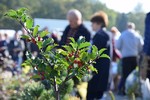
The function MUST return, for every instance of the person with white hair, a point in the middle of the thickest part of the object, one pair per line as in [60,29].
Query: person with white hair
[130,44]
[75,29]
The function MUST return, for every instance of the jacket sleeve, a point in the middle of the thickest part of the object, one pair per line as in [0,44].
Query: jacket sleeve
[147,35]
[85,33]
[100,42]
[63,37]
[88,36]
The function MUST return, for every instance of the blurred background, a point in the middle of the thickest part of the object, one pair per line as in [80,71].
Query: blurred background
[51,16]
[52,13]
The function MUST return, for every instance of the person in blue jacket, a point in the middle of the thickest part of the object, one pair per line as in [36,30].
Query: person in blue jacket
[102,39]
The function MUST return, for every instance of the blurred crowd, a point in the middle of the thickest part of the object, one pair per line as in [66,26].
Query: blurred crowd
[124,48]
[13,50]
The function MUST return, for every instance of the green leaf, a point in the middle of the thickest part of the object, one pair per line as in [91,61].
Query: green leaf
[49,48]
[66,64]
[104,56]
[72,40]
[39,43]
[102,51]
[47,42]
[48,69]
[94,53]
[74,45]
[11,13]
[29,23]
[94,49]
[35,31]
[81,39]
[84,45]
[84,50]
[92,56]
[79,77]
[25,36]
[21,11]
[23,18]
[62,52]
[26,63]
[68,48]
[58,81]
[83,55]
[44,33]
[93,69]
[36,77]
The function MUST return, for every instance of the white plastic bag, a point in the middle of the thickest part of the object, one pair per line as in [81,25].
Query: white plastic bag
[145,89]
[132,84]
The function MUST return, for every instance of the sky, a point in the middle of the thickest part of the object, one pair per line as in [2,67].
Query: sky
[125,6]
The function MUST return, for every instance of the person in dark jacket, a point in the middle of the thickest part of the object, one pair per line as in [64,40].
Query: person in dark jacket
[75,28]
[3,46]
[146,48]
[102,39]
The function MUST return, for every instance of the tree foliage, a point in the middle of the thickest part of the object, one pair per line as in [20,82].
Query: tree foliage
[122,22]
[53,9]
[57,9]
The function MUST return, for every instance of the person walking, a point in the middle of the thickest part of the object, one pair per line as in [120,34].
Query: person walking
[130,44]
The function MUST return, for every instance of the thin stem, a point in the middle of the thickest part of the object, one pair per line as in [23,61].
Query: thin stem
[46,60]
[29,33]
[56,90]
[68,77]
[24,27]
[55,84]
